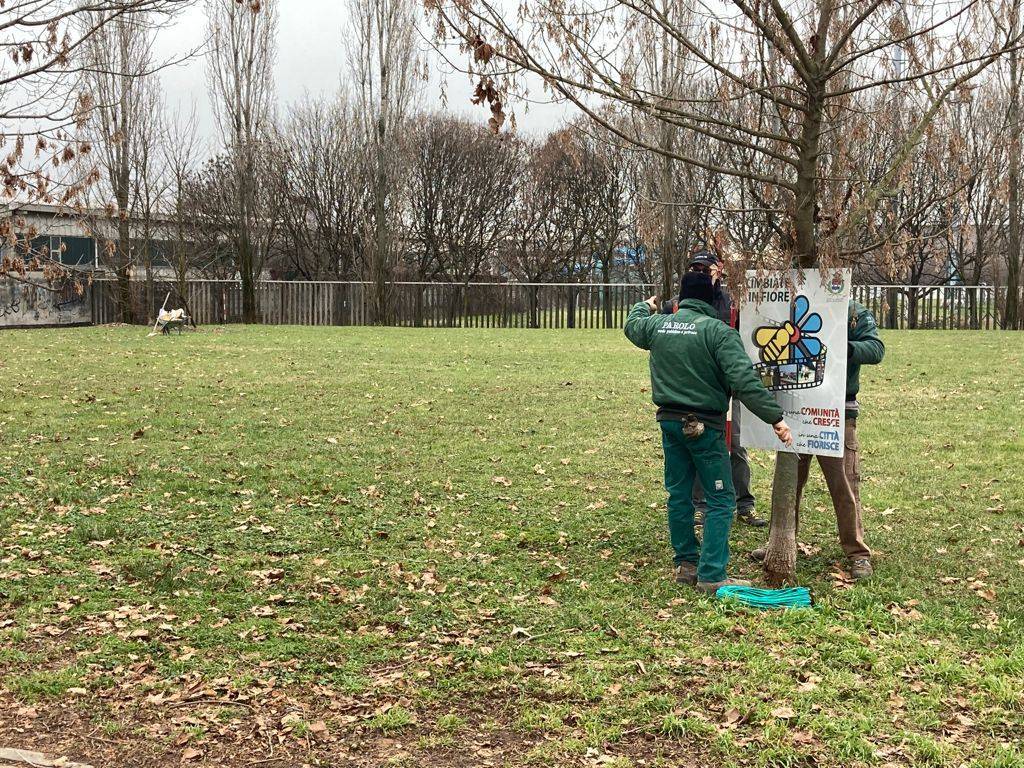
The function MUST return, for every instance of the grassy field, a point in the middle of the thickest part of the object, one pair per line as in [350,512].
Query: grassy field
[289,546]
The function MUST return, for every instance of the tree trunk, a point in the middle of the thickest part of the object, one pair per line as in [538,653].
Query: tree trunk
[245,167]
[1011,314]
[668,213]
[124,294]
[892,308]
[380,268]
[780,560]
[250,312]
[150,287]
[606,276]
[126,308]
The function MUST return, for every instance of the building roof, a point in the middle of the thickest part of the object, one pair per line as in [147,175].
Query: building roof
[14,208]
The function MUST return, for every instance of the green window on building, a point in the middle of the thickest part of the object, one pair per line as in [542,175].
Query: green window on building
[76,251]
[70,251]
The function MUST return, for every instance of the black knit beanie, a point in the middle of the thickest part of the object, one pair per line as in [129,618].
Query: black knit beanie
[696,285]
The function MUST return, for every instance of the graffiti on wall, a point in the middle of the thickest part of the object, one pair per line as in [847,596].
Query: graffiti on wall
[31,301]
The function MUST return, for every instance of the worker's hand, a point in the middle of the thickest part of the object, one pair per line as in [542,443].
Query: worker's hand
[652,303]
[783,432]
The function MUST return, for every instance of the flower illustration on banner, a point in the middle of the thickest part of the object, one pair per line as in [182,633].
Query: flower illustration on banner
[791,356]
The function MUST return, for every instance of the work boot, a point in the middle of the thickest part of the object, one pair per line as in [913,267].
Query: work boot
[710,587]
[759,554]
[749,516]
[860,568]
[698,516]
[685,573]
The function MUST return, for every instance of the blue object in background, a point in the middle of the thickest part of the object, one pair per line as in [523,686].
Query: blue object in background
[794,597]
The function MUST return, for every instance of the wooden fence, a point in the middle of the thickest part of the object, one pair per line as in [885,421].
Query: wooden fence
[950,307]
[506,305]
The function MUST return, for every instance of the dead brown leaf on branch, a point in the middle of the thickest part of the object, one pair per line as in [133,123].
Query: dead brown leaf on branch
[486,92]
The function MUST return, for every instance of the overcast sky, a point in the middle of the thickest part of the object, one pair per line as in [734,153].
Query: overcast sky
[311,60]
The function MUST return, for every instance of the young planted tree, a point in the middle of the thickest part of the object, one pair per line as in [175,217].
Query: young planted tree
[243,38]
[794,67]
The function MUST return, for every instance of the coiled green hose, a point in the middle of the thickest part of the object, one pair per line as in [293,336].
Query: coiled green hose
[794,597]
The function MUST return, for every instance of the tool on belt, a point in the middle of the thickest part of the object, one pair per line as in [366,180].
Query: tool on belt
[692,426]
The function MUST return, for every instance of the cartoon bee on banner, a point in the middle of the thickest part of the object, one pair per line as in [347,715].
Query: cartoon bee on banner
[791,357]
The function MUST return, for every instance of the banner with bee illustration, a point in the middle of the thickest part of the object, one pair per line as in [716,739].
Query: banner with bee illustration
[794,326]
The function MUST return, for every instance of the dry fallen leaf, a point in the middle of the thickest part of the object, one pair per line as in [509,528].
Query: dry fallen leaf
[783,713]
[802,737]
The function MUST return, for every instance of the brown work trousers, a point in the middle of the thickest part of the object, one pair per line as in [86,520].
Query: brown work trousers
[842,475]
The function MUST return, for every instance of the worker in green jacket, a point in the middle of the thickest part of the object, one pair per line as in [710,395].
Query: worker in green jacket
[697,363]
[842,475]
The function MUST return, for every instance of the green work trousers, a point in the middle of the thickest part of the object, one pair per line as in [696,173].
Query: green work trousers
[705,457]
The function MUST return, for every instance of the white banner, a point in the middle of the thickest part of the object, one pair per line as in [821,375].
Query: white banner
[797,341]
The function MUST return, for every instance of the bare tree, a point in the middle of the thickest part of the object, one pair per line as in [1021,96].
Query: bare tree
[240,74]
[981,222]
[384,66]
[662,71]
[1012,310]
[326,196]
[211,199]
[607,159]
[796,67]
[459,179]
[554,209]
[119,65]
[151,185]
[45,101]
[179,148]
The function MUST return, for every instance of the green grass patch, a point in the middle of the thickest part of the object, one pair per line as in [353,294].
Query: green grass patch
[467,529]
